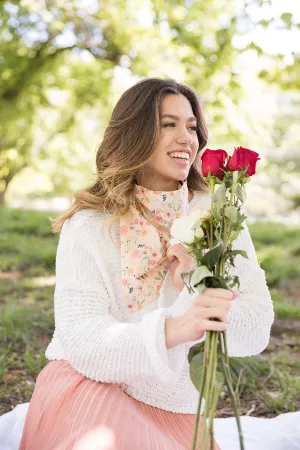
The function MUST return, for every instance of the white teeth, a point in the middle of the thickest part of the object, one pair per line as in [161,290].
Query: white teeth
[181,155]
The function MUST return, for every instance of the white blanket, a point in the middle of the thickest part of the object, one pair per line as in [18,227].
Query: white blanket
[280,433]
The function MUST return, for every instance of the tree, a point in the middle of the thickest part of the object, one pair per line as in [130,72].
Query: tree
[73,50]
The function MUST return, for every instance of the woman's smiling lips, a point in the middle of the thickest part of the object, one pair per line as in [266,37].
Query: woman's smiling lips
[182,162]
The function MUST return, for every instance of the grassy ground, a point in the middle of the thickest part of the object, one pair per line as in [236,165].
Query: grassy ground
[27,262]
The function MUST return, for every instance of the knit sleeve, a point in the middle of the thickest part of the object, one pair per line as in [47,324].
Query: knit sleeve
[251,314]
[94,342]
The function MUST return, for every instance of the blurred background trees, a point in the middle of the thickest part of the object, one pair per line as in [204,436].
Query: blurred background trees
[63,66]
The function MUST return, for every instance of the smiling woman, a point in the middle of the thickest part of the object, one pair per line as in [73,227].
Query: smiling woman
[151,120]
[178,141]
[118,357]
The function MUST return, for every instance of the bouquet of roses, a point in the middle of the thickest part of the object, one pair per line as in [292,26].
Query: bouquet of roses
[210,239]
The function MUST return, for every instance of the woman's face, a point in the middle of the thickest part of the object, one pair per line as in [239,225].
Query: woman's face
[176,149]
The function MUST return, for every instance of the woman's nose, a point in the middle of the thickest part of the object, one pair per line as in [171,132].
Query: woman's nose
[184,137]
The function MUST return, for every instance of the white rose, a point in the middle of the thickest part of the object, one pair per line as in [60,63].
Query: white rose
[199,233]
[182,228]
[206,215]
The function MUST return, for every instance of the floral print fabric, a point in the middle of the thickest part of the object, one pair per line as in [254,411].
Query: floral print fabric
[144,265]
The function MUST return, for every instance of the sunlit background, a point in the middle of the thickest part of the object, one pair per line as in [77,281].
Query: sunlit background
[64,64]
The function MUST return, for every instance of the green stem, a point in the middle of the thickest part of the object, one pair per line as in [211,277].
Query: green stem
[212,183]
[205,379]
[233,186]
[211,416]
[237,392]
[211,236]
[208,383]
[225,347]
[226,372]
[199,409]
[212,397]
[219,272]
[232,194]
[227,231]
[225,236]
[208,238]
[222,220]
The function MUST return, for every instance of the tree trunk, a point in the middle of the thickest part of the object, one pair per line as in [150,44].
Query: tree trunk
[6,181]
[2,194]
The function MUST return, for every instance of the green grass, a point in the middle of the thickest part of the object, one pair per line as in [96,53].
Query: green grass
[27,269]
[278,251]
[285,308]
[25,222]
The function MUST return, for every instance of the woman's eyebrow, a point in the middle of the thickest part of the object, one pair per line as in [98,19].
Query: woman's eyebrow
[171,116]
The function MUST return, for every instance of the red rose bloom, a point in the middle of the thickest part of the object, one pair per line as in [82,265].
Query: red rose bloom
[213,162]
[243,157]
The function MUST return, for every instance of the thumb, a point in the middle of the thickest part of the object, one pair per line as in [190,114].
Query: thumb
[171,258]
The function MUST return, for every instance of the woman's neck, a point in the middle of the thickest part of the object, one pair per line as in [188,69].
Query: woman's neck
[158,185]
[191,196]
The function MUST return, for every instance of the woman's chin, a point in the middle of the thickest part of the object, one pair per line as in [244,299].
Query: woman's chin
[180,174]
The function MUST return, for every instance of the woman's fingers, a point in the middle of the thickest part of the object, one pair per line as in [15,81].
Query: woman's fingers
[211,325]
[178,252]
[209,302]
[215,313]
[219,293]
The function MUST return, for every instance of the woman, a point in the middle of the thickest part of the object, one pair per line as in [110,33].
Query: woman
[124,321]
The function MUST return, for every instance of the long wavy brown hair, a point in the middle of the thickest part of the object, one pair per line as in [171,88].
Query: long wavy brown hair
[129,141]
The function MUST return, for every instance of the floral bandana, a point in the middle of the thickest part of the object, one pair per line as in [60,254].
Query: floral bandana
[144,265]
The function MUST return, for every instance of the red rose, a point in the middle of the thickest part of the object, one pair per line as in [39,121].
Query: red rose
[213,162]
[243,157]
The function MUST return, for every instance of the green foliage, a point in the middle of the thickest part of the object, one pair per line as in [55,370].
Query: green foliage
[277,251]
[274,381]
[19,324]
[199,274]
[17,253]
[26,241]
[194,350]
[284,308]
[58,79]
[27,251]
[197,369]
[212,257]
[25,222]
[219,196]
[58,62]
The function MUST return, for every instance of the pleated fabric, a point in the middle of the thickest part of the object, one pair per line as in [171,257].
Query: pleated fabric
[69,411]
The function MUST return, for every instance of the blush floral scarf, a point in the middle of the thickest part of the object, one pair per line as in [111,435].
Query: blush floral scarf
[144,231]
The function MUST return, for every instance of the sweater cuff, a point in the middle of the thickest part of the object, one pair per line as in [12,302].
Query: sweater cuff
[181,304]
[167,364]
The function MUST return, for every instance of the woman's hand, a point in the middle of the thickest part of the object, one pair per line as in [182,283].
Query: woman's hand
[181,261]
[198,318]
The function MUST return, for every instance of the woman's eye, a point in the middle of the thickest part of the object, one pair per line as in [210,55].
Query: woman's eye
[173,124]
[165,125]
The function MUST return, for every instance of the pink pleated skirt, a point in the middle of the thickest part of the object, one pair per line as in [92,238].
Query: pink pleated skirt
[69,411]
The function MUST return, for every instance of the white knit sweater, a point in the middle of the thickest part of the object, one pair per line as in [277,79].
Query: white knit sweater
[101,339]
